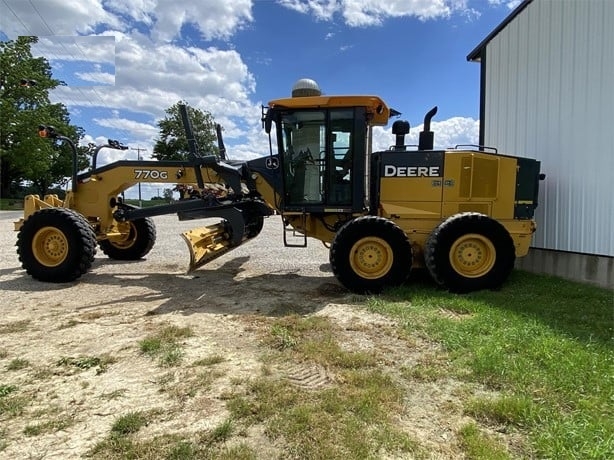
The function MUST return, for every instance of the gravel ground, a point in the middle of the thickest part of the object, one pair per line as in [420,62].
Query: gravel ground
[53,409]
[110,309]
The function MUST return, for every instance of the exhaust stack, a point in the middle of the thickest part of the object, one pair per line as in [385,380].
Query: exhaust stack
[427,137]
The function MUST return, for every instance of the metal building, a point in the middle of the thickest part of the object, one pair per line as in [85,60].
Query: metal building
[547,92]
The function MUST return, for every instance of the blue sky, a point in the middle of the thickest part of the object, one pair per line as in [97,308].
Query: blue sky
[124,62]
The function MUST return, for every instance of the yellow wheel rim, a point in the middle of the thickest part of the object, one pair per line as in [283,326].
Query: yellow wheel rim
[50,246]
[472,255]
[371,257]
[128,237]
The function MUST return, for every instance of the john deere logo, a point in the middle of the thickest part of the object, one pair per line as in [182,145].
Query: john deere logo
[411,171]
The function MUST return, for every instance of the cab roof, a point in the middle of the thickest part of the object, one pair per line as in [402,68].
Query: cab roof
[375,106]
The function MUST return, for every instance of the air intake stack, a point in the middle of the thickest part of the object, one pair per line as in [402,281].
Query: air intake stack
[400,128]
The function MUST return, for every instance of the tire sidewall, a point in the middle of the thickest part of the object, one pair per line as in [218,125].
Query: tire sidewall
[80,238]
[144,239]
[364,227]
[438,251]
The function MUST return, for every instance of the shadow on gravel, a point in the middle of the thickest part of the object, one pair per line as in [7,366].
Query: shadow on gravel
[225,289]
[24,282]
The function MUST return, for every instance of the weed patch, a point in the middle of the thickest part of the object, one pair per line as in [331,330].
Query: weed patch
[87,362]
[51,426]
[164,345]
[129,423]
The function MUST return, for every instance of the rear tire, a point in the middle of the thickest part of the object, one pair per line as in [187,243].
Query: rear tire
[469,252]
[56,245]
[135,245]
[370,253]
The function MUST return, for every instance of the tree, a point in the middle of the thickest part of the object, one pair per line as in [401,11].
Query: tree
[25,83]
[168,194]
[173,142]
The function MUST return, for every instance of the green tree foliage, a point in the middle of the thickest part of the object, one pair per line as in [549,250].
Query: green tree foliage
[173,142]
[25,83]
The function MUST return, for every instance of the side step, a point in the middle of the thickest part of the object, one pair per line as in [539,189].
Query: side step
[295,233]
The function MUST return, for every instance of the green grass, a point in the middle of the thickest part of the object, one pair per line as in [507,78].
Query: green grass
[129,423]
[12,405]
[164,345]
[50,426]
[6,390]
[121,444]
[480,446]
[11,204]
[543,343]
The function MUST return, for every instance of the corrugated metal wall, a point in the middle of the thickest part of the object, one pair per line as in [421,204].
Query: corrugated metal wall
[550,95]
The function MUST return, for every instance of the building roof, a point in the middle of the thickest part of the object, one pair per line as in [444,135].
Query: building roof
[476,54]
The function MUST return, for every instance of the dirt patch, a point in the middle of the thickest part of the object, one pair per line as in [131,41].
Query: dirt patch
[71,353]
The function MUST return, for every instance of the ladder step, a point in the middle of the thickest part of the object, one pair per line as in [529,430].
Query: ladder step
[295,233]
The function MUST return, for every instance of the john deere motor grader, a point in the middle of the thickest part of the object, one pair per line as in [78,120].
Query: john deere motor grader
[464,214]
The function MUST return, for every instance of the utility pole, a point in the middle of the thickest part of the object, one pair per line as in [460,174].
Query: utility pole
[138,157]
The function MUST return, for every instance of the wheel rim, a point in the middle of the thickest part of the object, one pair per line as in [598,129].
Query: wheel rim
[472,255]
[128,238]
[371,257]
[50,246]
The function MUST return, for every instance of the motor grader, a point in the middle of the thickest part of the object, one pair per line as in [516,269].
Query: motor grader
[463,213]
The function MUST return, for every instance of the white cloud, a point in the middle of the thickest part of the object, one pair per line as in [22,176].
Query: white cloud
[97,77]
[91,48]
[55,17]
[511,4]
[144,130]
[212,18]
[151,77]
[448,133]
[362,13]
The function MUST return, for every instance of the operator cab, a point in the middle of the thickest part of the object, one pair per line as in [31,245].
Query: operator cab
[322,144]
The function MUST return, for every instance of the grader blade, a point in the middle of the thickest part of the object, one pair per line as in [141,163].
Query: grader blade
[206,243]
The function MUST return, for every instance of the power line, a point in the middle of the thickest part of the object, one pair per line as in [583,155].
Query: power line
[70,54]
[17,17]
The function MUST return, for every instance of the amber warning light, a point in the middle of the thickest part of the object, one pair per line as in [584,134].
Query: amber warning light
[46,131]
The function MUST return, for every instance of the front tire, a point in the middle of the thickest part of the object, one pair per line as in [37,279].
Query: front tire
[56,245]
[137,243]
[470,252]
[370,253]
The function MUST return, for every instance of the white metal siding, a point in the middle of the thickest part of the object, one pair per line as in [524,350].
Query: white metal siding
[550,96]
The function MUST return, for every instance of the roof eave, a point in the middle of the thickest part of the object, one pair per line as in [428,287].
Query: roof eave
[476,54]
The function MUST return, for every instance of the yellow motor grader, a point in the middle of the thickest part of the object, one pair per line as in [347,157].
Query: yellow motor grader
[463,213]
